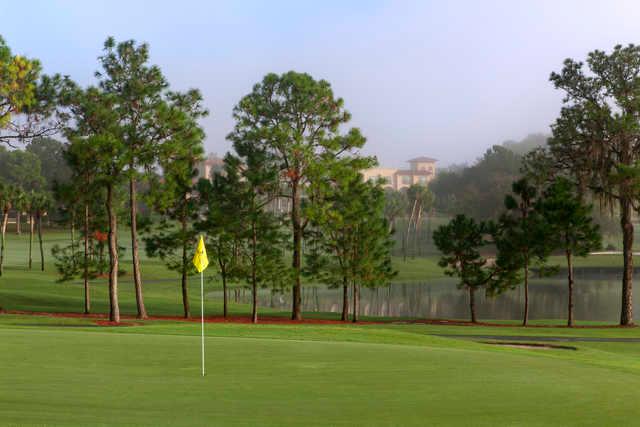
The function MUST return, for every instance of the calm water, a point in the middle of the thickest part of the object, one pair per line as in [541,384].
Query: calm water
[597,297]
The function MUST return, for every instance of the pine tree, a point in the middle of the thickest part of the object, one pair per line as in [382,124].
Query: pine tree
[96,123]
[570,227]
[460,242]
[149,116]
[350,239]
[222,226]
[173,197]
[261,235]
[521,242]
[298,121]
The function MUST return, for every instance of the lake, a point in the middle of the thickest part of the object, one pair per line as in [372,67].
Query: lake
[597,294]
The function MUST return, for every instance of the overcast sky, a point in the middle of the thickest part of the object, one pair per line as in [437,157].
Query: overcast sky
[444,79]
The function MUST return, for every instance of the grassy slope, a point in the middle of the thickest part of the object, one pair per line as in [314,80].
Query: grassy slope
[65,371]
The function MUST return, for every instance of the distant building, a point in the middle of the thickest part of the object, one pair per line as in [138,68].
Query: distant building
[421,171]
[211,164]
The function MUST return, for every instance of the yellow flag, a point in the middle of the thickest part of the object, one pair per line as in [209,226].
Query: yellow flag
[200,259]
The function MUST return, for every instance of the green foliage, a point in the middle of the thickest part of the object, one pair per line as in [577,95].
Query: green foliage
[596,138]
[395,205]
[351,239]
[172,197]
[96,127]
[18,80]
[21,168]
[419,198]
[256,184]
[53,166]
[597,130]
[478,190]
[220,223]
[149,116]
[530,143]
[69,262]
[166,241]
[568,220]
[29,101]
[298,123]
[460,242]
[523,238]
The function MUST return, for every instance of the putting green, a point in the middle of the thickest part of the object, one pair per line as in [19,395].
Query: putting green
[68,372]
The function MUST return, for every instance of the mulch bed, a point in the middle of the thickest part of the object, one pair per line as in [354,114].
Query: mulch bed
[102,320]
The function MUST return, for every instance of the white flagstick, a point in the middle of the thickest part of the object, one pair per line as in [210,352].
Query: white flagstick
[202,315]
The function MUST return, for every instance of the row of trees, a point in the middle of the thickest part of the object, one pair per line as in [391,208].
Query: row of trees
[407,211]
[532,227]
[593,153]
[130,133]
[36,204]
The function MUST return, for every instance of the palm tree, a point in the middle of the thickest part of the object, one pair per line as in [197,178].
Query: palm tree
[19,202]
[7,193]
[41,205]
[420,200]
[29,209]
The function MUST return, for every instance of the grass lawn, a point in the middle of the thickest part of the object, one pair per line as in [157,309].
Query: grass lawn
[70,372]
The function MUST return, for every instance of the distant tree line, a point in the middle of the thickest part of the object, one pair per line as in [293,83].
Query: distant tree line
[592,155]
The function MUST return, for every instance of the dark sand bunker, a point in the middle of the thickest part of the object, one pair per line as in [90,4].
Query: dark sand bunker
[531,345]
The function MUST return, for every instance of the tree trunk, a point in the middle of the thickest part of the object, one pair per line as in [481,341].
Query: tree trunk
[137,280]
[184,279]
[87,297]
[626,314]
[39,225]
[296,312]
[3,231]
[407,235]
[30,240]
[472,304]
[570,283]
[254,281]
[101,257]
[525,317]
[418,225]
[73,237]
[225,301]
[356,302]
[114,313]
[404,246]
[345,300]
[18,222]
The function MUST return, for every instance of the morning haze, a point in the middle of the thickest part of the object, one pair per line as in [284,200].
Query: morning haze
[480,274]
[434,78]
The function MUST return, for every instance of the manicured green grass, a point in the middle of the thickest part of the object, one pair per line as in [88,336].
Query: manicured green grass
[70,372]
[417,269]
[593,261]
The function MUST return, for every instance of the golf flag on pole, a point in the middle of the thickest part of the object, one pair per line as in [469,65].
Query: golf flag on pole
[201,262]
[200,259]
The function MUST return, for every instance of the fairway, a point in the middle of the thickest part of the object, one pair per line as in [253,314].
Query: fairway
[70,372]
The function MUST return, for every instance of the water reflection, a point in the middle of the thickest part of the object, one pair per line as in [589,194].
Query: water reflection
[597,297]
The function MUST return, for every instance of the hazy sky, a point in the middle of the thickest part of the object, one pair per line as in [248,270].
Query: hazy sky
[444,79]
